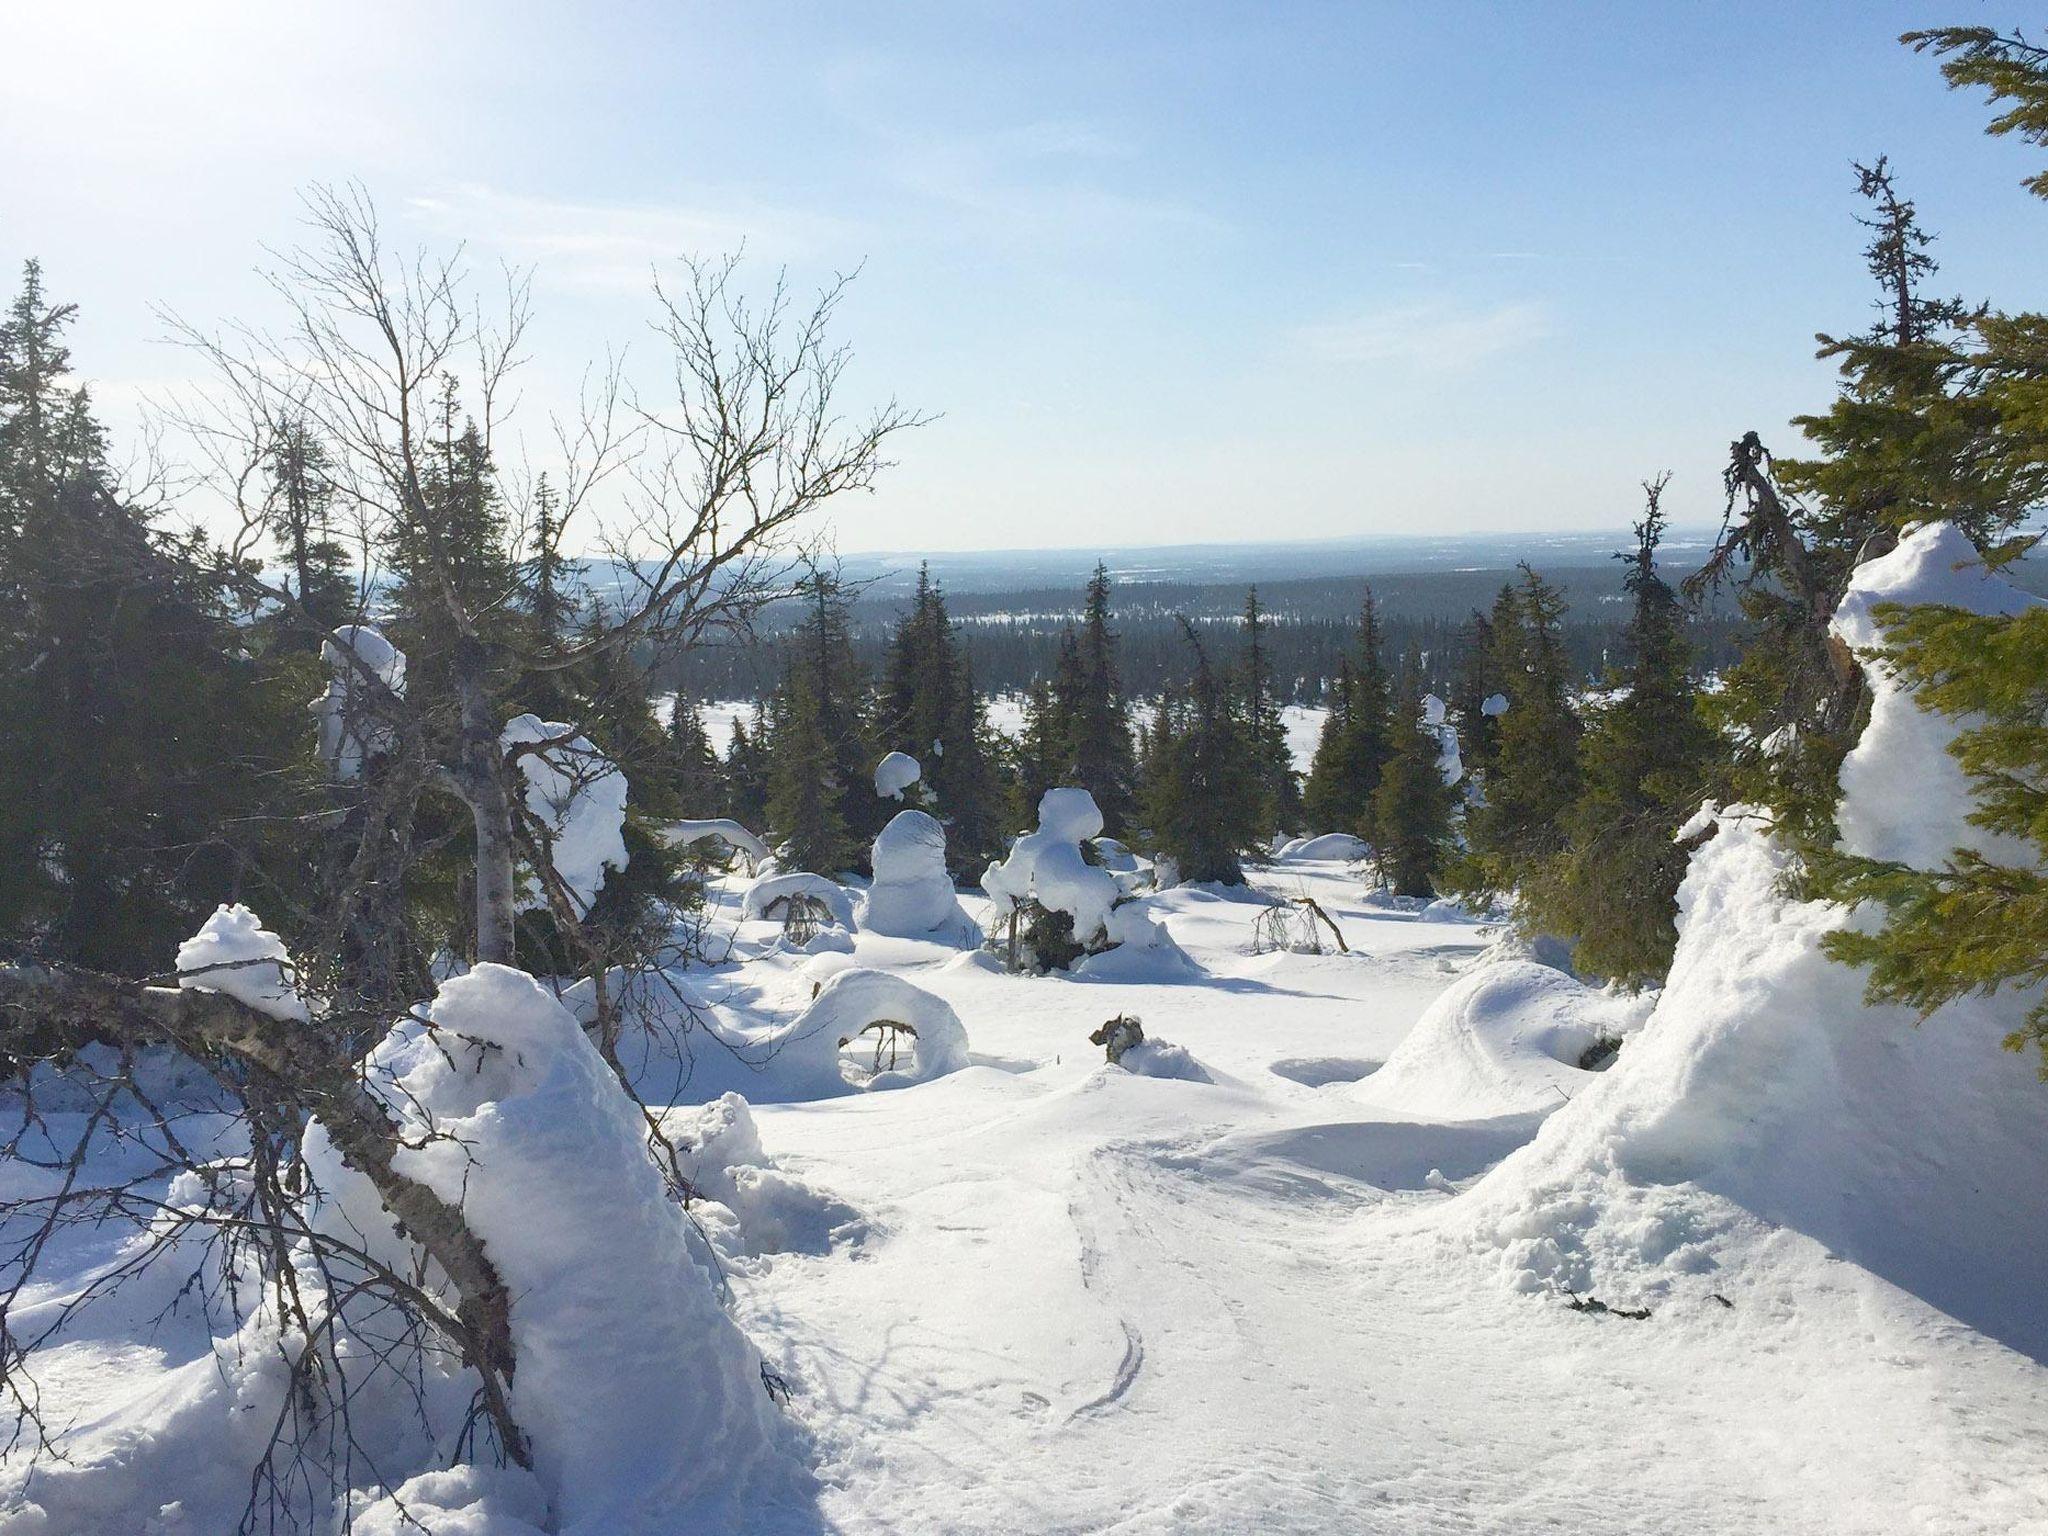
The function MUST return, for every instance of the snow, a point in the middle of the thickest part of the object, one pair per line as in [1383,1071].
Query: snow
[508,1109]
[1904,796]
[895,774]
[912,895]
[1327,846]
[763,894]
[1494,704]
[683,834]
[1047,866]
[349,729]
[578,796]
[1306,1263]
[234,953]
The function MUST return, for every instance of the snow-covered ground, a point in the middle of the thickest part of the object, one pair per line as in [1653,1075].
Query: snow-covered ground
[1421,1236]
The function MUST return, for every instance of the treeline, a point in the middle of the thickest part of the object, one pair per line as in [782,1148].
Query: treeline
[1017,641]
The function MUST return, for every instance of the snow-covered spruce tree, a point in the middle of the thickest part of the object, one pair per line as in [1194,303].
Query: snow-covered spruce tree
[1278,787]
[1645,758]
[1411,812]
[1201,802]
[929,709]
[1535,776]
[1355,743]
[1979,922]
[149,754]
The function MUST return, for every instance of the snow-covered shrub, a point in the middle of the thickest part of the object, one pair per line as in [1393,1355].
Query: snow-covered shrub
[686,834]
[576,799]
[772,1211]
[768,899]
[1049,907]
[638,1393]
[912,896]
[350,724]
[896,774]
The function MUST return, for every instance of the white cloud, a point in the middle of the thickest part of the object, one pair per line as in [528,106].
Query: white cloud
[612,246]
[1434,336]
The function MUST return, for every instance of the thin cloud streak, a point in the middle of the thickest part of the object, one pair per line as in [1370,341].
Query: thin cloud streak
[1435,336]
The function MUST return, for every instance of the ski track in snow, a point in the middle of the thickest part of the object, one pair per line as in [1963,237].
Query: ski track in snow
[1106,1303]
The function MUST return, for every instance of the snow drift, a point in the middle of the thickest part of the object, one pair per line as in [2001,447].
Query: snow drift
[1762,1087]
[639,1394]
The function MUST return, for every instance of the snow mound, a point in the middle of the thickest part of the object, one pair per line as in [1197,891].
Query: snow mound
[350,727]
[845,1012]
[1762,1089]
[763,900]
[774,1212]
[461,1501]
[639,1394]
[578,796]
[1505,1039]
[1333,847]
[1904,797]
[895,774]
[912,896]
[234,953]
[1495,704]
[1161,1058]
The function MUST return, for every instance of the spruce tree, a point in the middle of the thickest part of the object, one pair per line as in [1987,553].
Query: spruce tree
[697,775]
[1645,759]
[1411,810]
[1535,778]
[1478,679]
[807,789]
[146,752]
[1039,756]
[745,776]
[1278,787]
[1089,691]
[301,521]
[1356,744]
[1202,809]
[929,709]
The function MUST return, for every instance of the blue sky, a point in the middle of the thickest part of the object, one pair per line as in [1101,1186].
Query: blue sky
[1166,272]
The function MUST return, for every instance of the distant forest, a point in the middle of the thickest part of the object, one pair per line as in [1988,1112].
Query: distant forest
[1013,637]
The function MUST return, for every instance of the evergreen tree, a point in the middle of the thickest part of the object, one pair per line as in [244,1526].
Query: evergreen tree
[819,732]
[1090,717]
[142,747]
[1202,808]
[301,519]
[806,784]
[1278,787]
[1535,778]
[1645,759]
[930,710]
[1348,763]
[1478,679]
[1411,810]
[1039,755]
[699,790]
[745,776]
